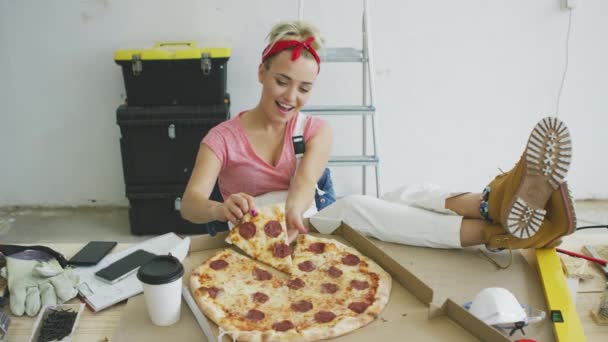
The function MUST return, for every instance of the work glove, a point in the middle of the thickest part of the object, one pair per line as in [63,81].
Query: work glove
[36,279]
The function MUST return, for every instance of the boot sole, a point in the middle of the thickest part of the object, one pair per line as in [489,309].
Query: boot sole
[547,157]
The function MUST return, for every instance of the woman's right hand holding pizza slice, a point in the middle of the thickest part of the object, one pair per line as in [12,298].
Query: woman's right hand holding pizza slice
[235,207]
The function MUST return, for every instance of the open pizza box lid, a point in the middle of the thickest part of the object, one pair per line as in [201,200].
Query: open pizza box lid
[412,310]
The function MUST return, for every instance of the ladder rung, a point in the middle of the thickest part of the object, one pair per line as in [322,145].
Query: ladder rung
[339,110]
[353,160]
[341,55]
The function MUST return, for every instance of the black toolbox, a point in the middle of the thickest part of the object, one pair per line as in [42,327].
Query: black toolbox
[174,73]
[155,210]
[159,144]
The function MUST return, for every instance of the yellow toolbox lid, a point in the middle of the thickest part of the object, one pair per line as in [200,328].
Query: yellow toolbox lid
[172,50]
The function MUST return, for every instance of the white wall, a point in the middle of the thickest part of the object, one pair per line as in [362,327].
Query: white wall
[459,83]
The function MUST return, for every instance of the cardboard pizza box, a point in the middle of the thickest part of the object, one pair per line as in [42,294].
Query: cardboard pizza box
[411,311]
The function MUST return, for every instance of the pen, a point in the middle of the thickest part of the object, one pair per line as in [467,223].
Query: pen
[583,256]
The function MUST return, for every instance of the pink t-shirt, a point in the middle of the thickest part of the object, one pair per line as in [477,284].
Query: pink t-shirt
[242,170]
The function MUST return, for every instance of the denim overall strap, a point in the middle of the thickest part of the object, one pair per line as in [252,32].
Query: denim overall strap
[324,191]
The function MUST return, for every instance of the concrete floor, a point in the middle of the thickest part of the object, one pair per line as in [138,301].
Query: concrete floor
[44,225]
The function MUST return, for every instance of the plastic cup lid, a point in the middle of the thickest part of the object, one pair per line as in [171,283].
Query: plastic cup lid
[162,269]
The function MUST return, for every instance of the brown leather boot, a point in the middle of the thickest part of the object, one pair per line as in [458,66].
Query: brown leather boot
[518,198]
[560,220]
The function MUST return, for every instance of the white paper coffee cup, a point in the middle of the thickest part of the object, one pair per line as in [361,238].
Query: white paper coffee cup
[162,281]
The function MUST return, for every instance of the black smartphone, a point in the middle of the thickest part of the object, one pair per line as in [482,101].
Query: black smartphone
[92,253]
[124,267]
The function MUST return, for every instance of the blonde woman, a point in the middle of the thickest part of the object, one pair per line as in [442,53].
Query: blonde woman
[252,156]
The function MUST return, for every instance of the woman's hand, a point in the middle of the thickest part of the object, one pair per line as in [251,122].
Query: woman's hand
[295,224]
[235,207]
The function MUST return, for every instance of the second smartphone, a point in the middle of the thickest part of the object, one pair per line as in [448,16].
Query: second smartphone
[124,267]
[92,253]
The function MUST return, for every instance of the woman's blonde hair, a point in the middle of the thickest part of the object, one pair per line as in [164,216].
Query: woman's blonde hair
[296,30]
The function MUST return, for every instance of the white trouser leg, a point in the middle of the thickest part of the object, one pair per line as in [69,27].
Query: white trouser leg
[391,222]
[425,196]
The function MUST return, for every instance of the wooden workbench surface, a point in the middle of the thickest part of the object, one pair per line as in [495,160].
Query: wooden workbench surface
[440,276]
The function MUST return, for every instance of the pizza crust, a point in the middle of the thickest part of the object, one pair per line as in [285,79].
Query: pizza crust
[383,293]
[258,336]
[343,325]
[209,308]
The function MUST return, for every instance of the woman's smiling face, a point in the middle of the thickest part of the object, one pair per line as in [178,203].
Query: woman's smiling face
[286,85]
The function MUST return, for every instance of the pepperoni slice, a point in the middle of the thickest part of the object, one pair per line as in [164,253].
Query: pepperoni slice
[255,315]
[273,228]
[334,272]
[359,284]
[329,288]
[306,266]
[324,316]
[351,260]
[218,264]
[247,230]
[283,325]
[301,306]
[358,307]
[281,250]
[260,297]
[295,284]
[212,291]
[317,247]
[261,275]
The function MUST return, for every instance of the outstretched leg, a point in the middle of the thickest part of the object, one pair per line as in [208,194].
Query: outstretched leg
[391,222]
[527,207]
[398,223]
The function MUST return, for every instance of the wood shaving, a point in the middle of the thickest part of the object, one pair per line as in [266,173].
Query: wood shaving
[576,267]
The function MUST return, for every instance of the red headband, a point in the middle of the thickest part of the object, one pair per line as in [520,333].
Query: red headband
[297,46]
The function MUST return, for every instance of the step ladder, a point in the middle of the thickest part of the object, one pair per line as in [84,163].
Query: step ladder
[367,109]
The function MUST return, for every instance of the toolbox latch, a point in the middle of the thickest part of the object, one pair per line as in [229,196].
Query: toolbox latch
[178,204]
[171,131]
[136,65]
[206,63]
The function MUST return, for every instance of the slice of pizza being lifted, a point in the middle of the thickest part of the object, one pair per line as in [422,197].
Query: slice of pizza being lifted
[263,236]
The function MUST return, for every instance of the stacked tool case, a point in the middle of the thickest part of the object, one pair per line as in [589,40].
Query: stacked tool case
[176,92]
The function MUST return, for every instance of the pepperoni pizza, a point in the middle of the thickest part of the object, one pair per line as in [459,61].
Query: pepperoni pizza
[263,236]
[332,290]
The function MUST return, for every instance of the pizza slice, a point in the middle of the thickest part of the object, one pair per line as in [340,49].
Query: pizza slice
[343,290]
[263,236]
